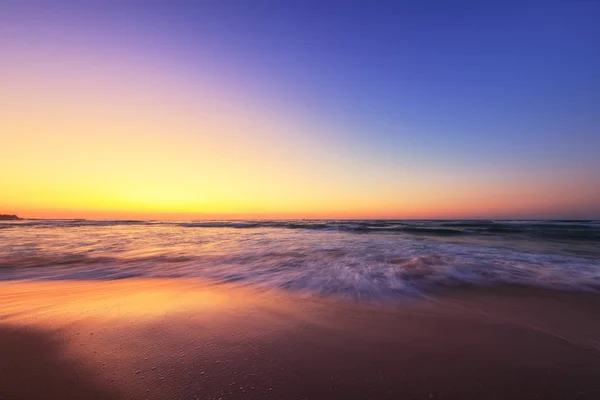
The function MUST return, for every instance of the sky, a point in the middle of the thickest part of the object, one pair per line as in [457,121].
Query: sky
[300,109]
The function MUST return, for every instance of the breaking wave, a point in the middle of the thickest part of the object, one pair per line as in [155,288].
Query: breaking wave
[359,259]
[568,230]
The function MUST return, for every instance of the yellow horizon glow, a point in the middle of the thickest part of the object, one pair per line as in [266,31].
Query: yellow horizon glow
[115,136]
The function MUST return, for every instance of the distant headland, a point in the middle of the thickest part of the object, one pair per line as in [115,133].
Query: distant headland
[8,217]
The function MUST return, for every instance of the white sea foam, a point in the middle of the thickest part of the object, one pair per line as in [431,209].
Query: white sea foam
[324,260]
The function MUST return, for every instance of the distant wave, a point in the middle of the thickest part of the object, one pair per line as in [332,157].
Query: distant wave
[587,230]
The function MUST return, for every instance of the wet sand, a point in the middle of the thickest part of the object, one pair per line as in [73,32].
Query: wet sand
[187,339]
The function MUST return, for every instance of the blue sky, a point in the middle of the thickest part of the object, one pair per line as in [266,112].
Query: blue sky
[506,90]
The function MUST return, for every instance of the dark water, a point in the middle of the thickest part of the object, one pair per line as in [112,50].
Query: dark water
[348,258]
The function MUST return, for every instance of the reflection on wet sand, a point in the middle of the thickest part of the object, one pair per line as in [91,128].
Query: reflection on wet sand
[185,339]
[35,365]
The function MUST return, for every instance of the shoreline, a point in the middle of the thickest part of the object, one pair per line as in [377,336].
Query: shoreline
[189,338]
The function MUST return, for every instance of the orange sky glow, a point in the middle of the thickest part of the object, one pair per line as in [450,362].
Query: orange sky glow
[111,133]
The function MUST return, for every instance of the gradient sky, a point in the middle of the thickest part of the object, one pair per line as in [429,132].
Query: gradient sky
[303,109]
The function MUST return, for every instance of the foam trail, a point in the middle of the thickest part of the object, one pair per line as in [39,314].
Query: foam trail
[363,259]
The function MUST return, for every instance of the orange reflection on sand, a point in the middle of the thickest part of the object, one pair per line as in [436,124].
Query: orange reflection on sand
[180,338]
[139,298]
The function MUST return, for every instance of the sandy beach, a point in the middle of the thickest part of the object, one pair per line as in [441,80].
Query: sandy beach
[189,339]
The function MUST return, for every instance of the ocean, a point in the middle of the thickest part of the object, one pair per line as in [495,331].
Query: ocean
[366,259]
